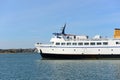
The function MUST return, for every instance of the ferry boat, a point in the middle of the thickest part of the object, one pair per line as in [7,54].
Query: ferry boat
[69,46]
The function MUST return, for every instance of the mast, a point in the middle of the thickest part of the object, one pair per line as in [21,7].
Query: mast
[63,29]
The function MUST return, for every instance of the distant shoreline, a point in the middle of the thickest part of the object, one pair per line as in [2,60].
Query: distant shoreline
[29,50]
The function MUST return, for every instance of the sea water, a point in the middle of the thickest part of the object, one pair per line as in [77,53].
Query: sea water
[30,66]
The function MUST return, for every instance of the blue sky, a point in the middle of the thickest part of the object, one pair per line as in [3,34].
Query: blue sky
[25,22]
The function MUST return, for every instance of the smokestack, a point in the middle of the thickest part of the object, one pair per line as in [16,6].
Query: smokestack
[117,33]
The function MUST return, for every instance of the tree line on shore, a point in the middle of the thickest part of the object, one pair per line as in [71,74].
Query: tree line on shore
[30,50]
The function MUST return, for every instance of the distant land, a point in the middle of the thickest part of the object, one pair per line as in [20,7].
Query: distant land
[29,50]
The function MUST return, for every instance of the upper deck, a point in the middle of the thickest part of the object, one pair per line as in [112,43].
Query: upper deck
[63,39]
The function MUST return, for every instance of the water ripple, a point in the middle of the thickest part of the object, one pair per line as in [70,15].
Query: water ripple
[32,67]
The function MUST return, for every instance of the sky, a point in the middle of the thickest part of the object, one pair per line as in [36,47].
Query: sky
[26,22]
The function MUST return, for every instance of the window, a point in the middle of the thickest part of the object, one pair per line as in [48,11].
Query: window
[59,37]
[86,43]
[57,43]
[98,43]
[80,43]
[74,43]
[62,43]
[52,42]
[37,43]
[105,43]
[117,42]
[68,43]
[92,43]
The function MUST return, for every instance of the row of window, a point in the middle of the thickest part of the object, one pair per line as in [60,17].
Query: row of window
[86,43]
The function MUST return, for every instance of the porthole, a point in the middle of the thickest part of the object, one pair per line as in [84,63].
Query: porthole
[98,49]
[74,49]
[111,49]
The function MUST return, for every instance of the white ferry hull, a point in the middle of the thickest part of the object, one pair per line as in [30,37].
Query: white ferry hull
[79,53]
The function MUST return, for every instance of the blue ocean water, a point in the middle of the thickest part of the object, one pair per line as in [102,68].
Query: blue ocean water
[25,66]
